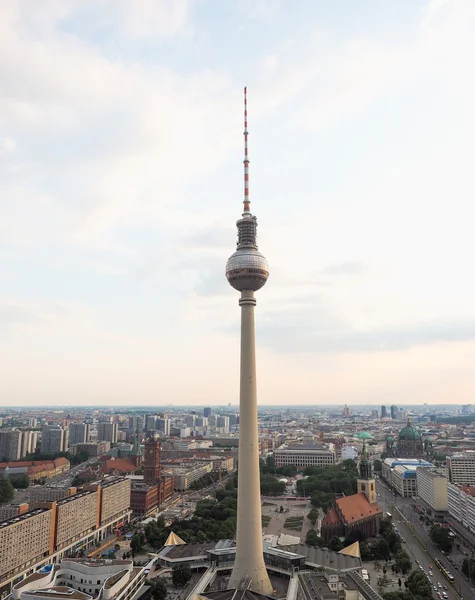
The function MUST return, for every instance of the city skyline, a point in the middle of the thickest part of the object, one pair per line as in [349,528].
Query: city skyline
[120,173]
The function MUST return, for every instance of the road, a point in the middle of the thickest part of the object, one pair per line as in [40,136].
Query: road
[418,543]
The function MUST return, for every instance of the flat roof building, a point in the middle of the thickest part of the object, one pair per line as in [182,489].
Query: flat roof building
[461,467]
[305,455]
[432,489]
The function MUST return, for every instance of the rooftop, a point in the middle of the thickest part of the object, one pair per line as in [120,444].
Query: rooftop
[59,591]
[321,557]
[22,517]
[356,507]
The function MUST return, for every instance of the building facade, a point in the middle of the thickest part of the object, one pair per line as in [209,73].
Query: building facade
[461,468]
[46,533]
[107,432]
[304,455]
[432,489]
[54,440]
[78,433]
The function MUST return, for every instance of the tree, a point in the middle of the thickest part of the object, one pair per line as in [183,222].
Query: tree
[441,537]
[313,516]
[20,481]
[158,589]
[419,585]
[403,561]
[380,549]
[7,491]
[312,539]
[137,543]
[335,544]
[181,575]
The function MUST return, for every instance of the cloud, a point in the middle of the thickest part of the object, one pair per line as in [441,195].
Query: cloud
[347,268]
[319,329]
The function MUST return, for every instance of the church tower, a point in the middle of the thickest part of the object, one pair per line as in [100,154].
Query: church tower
[365,481]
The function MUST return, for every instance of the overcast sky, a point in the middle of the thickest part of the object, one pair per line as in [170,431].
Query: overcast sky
[121,182]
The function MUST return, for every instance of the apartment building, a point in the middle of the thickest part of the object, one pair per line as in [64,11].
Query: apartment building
[432,489]
[461,468]
[7,511]
[305,455]
[25,540]
[107,432]
[40,494]
[11,444]
[79,433]
[44,534]
[183,477]
[76,517]
[461,504]
[54,440]
[115,500]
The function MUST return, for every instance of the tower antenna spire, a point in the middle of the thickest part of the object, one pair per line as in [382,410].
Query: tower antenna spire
[247,201]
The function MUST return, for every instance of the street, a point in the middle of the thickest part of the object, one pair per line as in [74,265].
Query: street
[418,543]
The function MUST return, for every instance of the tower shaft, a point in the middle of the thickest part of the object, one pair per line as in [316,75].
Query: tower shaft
[249,563]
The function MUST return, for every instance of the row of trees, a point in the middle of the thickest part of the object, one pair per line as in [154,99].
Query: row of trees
[324,483]
[205,481]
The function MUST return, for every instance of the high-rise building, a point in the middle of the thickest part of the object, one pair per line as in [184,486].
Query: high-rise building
[223,424]
[11,445]
[461,468]
[54,440]
[206,411]
[247,271]
[150,422]
[107,432]
[432,488]
[163,425]
[384,412]
[393,411]
[136,422]
[78,433]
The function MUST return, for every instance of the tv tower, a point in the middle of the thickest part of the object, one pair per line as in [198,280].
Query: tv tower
[247,271]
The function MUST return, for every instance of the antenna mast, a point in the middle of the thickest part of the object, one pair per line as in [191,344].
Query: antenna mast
[247,202]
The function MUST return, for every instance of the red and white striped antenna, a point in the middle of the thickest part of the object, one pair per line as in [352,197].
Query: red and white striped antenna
[247,201]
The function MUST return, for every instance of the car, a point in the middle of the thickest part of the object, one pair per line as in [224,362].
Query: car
[445,587]
[439,585]
[431,574]
[435,588]
[444,595]
[430,566]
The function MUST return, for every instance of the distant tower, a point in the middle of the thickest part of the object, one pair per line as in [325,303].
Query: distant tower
[247,271]
[152,461]
[384,412]
[393,411]
[366,482]
[136,453]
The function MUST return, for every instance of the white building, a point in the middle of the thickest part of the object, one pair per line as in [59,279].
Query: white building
[432,488]
[305,455]
[183,477]
[400,473]
[348,452]
[461,467]
[82,579]
[461,503]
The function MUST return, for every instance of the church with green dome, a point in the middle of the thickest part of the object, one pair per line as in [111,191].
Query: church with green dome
[409,443]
